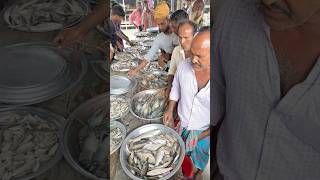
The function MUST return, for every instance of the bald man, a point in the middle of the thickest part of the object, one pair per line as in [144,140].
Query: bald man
[191,91]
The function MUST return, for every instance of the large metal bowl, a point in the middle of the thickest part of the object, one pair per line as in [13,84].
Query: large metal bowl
[76,120]
[115,124]
[124,150]
[140,94]
[45,115]
[123,114]
[122,84]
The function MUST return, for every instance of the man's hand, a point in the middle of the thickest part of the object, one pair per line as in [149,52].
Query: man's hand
[168,119]
[133,73]
[162,61]
[69,36]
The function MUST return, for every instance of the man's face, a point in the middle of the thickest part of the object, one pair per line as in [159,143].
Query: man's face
[200,50]
[185,36]
[285,14]
[116,19]
[139,6]
[174,27]
[163,24]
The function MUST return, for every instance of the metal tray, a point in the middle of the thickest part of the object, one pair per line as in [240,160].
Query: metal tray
[71,148]
[46,115]
[8,8]
[35,72]
[124,152]
[121,84]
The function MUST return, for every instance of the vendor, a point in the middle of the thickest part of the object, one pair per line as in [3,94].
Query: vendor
[165,41]
[191,91]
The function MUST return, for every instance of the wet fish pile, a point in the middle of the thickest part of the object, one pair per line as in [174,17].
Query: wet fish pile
[44,15]
[27,143]
[93,142]
[142,34]
[123,56]
[123,65]
[135,50]
[151,105]
[153,155]
[153,66]
[154,81]
[116,136]
[119,106]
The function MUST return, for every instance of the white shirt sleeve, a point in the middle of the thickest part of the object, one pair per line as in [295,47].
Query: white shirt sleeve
[175,90]
[154,49]
[173,62]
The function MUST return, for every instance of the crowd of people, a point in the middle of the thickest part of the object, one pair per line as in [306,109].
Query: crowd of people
[185,49]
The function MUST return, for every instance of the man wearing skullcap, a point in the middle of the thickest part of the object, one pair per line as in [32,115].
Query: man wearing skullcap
[165,41]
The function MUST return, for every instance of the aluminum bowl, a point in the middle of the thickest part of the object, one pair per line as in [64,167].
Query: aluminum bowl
[45,115]
[123,114]
[75,122]
[143,93]
[115,124]
[124,150]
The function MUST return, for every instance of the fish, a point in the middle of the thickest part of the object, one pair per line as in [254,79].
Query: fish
[154,157]
[123,65]
[119,105]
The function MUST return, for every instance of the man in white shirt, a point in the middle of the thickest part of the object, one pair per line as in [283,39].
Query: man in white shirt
[186,31]
[191,91]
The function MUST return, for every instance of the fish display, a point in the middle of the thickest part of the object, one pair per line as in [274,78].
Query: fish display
[150,106]
[44,15]
[136,50]
[93,142]
[124,56]
[27,143]
[123,65]
[153,155]
[154,80]
[142,34]
[119,106]
[152,66]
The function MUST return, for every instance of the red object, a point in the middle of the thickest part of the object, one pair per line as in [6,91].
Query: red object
[187,167]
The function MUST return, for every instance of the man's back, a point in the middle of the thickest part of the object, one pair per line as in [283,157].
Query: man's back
[263,136]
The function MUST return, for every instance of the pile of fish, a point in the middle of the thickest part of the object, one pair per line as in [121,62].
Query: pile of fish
[150,106]
[123,65]
[153,155]
[116,136]
[135,50]
[123,56]
[119,106]
[152,66]
[44,15]
[93,141]
[154,80]
[27,143]
[142,34]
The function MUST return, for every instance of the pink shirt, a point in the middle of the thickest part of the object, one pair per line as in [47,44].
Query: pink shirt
[193,105]
[135,18]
